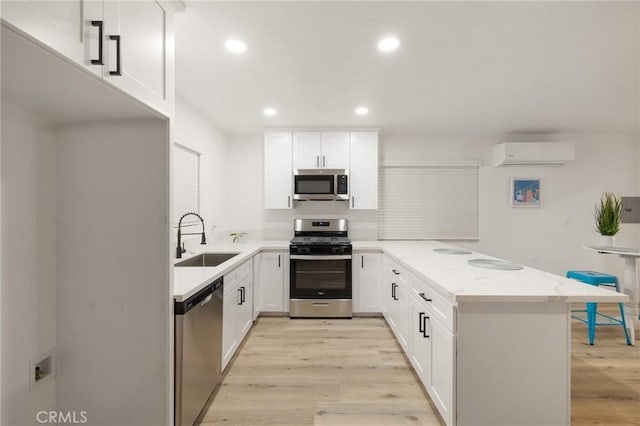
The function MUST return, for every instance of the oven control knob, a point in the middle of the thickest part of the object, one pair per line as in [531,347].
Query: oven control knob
[304,250]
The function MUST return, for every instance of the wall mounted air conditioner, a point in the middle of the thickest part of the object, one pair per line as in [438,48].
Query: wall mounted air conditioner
[532,153]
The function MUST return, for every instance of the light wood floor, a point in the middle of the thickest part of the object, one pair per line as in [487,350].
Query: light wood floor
[352,372]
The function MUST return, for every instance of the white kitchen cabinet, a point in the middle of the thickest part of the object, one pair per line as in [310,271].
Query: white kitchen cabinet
[255,291]
[320,150]
[245,308]
[366,282]
[420,354]
[137,50]
[64,25]
[363,171]
[142,58]
[442,373]
[278,171]
[237,309]
[229,326]
[273,280]
[396,305]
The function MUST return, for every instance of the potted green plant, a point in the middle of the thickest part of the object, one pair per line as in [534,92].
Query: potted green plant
[237,236]
[608,214]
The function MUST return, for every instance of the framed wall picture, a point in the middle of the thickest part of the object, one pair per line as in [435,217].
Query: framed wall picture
[525,192]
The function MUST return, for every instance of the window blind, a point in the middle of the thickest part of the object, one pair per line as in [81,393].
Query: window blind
[428,202]
[186,183]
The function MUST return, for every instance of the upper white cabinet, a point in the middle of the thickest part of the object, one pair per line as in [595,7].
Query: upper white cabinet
[138,46]
[65,26]
[320,150]
[129,43]
[363,171]
[278,175]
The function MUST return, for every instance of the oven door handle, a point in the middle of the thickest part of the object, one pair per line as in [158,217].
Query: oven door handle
[327,257]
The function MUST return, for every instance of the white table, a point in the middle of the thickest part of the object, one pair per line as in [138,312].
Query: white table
[630,285]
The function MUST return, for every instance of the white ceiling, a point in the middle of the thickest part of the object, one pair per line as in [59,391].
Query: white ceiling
[462,68]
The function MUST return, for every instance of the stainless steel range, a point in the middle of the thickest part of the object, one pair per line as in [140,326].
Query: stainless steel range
[320,280]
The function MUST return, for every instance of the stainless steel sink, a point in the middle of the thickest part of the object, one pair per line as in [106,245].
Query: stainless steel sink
[494,264]
[207,259]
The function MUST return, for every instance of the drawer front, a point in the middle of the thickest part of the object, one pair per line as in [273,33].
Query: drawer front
[397,273]
[441,308]
[236,276]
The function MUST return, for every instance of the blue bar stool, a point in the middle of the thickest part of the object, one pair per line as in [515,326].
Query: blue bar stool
[598,279]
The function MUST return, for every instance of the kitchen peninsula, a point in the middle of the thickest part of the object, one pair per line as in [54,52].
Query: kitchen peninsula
[484,342]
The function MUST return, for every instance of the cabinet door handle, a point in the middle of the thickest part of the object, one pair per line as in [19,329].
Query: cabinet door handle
[288,200]
[362,261]
[317,161]
[426,299]
[394,286]
[324,161]
[395,272]
[353,201]
[421,323]
[424,326]
[98,24]
[240,292]
[279,260]
[118,70]
[244,294]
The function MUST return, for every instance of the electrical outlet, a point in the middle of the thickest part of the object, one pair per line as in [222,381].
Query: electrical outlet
[41,369]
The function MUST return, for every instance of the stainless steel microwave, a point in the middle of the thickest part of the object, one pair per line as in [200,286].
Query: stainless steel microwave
[321,184]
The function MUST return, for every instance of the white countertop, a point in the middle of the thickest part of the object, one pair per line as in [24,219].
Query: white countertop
[189,280]
[454,278]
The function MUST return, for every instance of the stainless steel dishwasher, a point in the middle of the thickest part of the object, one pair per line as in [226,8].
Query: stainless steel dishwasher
[198,352]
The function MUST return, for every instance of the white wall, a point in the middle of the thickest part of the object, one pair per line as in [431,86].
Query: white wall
[245,170]
[550,237]
[196,132]
[28,261]
[113,315]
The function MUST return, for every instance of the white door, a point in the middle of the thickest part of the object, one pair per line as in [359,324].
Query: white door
[278,174]
[245,309]
[255,287]
[363,171]
[307,150]
[402,319]
[272,281]
[420,354]
[442,372]
[142,66]
[70,27]
[335,150]
[368,282]
[229,326]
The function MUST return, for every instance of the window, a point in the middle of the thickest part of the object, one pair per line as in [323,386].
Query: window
[186,183]
[428,202]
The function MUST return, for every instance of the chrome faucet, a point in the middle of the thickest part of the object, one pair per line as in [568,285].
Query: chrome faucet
[180,249]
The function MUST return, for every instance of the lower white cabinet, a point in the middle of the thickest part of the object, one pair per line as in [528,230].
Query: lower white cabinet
[432,354]
[274,281]
[366,282]
[237,309]
[256,285]
[396,300]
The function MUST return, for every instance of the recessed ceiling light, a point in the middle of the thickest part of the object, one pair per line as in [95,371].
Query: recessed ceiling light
[388,44]
[235,46]
[270,112]
[362,110]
